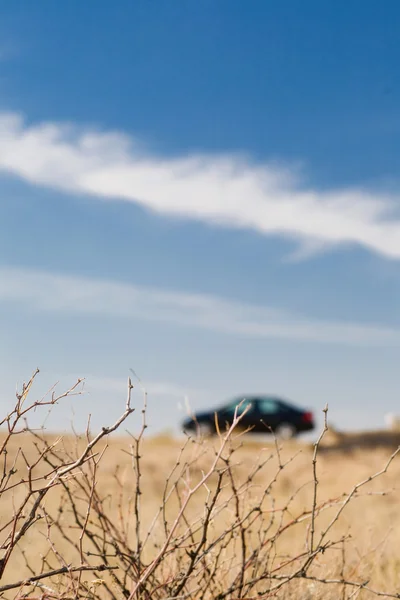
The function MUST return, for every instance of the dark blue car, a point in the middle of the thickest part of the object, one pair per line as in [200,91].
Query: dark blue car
[264,414]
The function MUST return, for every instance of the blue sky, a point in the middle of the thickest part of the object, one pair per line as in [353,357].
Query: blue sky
[206,192]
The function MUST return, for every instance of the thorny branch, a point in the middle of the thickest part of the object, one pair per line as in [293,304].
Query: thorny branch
[219,531]
[54,573]
[34,496]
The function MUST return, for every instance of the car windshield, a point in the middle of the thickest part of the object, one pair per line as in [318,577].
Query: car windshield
[241,406]
[268,406]
[283,404]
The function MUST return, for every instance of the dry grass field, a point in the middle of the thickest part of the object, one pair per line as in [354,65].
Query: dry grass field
[229,517]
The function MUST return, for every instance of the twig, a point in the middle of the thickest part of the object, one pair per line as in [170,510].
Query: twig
[61,571]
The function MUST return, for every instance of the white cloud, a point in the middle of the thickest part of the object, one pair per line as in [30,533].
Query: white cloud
[223,190]
[94,297]
[153,388]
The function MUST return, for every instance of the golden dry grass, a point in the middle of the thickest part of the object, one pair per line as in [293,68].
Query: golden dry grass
[372,519]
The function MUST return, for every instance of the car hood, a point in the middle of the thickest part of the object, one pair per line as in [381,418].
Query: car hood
[200,416]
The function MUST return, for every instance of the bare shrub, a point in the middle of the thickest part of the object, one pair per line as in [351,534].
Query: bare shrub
[216,525]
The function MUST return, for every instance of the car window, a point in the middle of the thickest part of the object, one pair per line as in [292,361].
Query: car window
[268,407]
[243,405]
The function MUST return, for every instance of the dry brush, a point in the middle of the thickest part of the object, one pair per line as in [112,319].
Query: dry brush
[76,526]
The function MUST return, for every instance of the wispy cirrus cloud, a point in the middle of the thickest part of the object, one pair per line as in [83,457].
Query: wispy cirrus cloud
[153,388]
[42,291]
[222,190]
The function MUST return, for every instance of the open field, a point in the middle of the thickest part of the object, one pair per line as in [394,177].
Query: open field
[105,516]
[264,504]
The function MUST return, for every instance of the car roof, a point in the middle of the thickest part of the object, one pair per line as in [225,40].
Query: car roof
[256,397]
[260,397]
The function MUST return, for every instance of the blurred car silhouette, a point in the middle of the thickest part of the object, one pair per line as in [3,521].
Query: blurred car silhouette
[264,414]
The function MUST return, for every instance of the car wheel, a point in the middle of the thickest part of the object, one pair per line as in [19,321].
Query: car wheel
[285,431]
